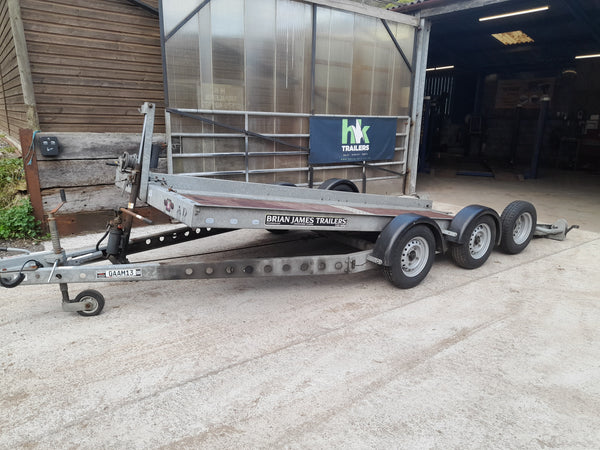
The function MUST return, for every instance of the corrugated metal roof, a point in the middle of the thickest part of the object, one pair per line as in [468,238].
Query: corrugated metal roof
[390,4]
[399,5]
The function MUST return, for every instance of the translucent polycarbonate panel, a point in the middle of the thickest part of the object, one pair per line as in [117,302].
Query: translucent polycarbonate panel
[358,69]
[256,55]
[224,123]
[301,145]
[383,79]
[176,11]
[401,89]
[362,63]
[260,55]
[401,77]
[223,163]
[227,26]
[207,90]
[293,56]
[296,125]
[299,177]
[405,36]
[333,63]
[262,162]
[260,146]
[261,124]
[183,61]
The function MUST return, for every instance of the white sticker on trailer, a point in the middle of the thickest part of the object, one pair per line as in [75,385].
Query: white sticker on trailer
[119,273]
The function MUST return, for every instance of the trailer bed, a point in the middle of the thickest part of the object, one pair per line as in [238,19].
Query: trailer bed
[202,202]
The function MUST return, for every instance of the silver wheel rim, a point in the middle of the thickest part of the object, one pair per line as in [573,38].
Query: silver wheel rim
[91,304]
[480,240]
[522,228]
[414,256]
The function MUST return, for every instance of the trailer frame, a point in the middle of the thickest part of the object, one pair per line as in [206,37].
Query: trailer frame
[399,234]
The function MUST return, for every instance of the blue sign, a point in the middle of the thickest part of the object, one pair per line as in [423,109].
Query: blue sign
[338,140]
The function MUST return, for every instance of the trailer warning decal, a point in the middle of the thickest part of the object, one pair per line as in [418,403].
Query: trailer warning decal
[275,219]
[119,273]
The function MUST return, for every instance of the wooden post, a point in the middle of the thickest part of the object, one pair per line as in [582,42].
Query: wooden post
[18,33]
[32,176]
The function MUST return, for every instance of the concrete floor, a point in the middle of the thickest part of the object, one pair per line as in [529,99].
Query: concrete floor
[505,356]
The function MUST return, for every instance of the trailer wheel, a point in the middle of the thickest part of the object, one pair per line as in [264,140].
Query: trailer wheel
[338,184]
[94,302]
[476,250]
[518,219]
[411,257]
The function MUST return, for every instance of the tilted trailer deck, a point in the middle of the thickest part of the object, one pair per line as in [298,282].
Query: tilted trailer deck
[400,235]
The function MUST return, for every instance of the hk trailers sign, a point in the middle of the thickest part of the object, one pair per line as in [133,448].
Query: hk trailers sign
[336,139]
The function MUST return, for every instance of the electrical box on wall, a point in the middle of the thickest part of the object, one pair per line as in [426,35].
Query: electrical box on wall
[49,145]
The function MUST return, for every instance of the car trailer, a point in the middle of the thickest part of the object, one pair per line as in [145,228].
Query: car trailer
[398,235]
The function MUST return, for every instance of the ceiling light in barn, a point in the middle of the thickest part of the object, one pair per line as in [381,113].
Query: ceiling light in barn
[596,55]
[431,69]
[515,13]
[513,37]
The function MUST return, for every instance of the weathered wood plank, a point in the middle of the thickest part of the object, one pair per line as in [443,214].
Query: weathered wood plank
[54,9]
[94,128]
[97,82]
[88,68]
[129,112]
[136,69]
[97,45]
[79,173]
[65,173]
[98,145]
[42,50]
[93,29]
[140,94]
[108,120]
[96,221]
[51,100]
[93,198]
[99,7]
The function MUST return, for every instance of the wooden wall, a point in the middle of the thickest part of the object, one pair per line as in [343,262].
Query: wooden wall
[12,108]
[82,172]
[93,64]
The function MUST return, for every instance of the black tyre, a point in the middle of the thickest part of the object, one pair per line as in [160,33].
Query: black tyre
[338,184]
[94,302]
[518,225]
[481,238]
[412,257]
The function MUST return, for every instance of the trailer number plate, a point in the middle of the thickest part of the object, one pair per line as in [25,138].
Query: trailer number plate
[119,273]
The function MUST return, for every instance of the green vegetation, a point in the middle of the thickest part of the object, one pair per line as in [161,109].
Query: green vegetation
[16,213]
[11,181]
[18,222]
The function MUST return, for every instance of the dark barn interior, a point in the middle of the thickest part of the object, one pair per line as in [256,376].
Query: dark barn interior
[523,100]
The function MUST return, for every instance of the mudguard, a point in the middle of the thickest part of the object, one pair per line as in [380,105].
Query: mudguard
[393,230]
[465,216]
